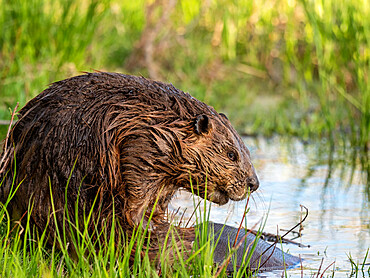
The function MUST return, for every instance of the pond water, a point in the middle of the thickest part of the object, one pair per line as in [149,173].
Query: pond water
[293,173]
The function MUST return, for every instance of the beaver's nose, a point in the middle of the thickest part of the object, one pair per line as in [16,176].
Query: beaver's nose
[253,183]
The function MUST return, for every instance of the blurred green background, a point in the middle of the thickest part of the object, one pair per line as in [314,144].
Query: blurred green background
[277,66]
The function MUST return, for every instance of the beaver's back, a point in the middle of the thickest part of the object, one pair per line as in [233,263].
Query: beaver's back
[92,89]
[72,119]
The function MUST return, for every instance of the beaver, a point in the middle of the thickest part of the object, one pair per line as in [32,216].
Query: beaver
[120,143]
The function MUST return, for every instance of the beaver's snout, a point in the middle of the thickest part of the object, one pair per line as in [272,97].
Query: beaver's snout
[253,183]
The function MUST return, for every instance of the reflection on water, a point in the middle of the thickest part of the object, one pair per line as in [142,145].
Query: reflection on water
[292,173]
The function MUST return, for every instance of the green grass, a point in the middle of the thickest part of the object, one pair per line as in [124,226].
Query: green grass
[76,250]
[360,269]
[281,66]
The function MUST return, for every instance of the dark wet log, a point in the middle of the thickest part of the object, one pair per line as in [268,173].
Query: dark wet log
[264,258]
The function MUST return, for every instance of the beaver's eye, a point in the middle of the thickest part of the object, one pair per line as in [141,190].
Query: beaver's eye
[231,156]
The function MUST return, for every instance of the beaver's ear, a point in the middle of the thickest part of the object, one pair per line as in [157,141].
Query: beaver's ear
[202,124]
[223,116]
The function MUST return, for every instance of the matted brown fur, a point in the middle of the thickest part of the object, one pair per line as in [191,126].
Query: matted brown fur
[134,140]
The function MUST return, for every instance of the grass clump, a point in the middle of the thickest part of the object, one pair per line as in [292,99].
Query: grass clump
[76,250]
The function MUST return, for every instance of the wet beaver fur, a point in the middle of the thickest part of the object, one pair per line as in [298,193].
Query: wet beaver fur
[131,141]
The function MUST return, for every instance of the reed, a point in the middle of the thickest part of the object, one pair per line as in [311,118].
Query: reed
[77,251]
[290,67]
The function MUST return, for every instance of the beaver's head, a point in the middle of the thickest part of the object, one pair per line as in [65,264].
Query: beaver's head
[218,160]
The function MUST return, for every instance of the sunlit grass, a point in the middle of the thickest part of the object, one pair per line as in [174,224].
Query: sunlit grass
[86,249]
[289,67]
[310,57]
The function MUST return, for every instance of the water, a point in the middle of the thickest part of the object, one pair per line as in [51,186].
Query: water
[291,174]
